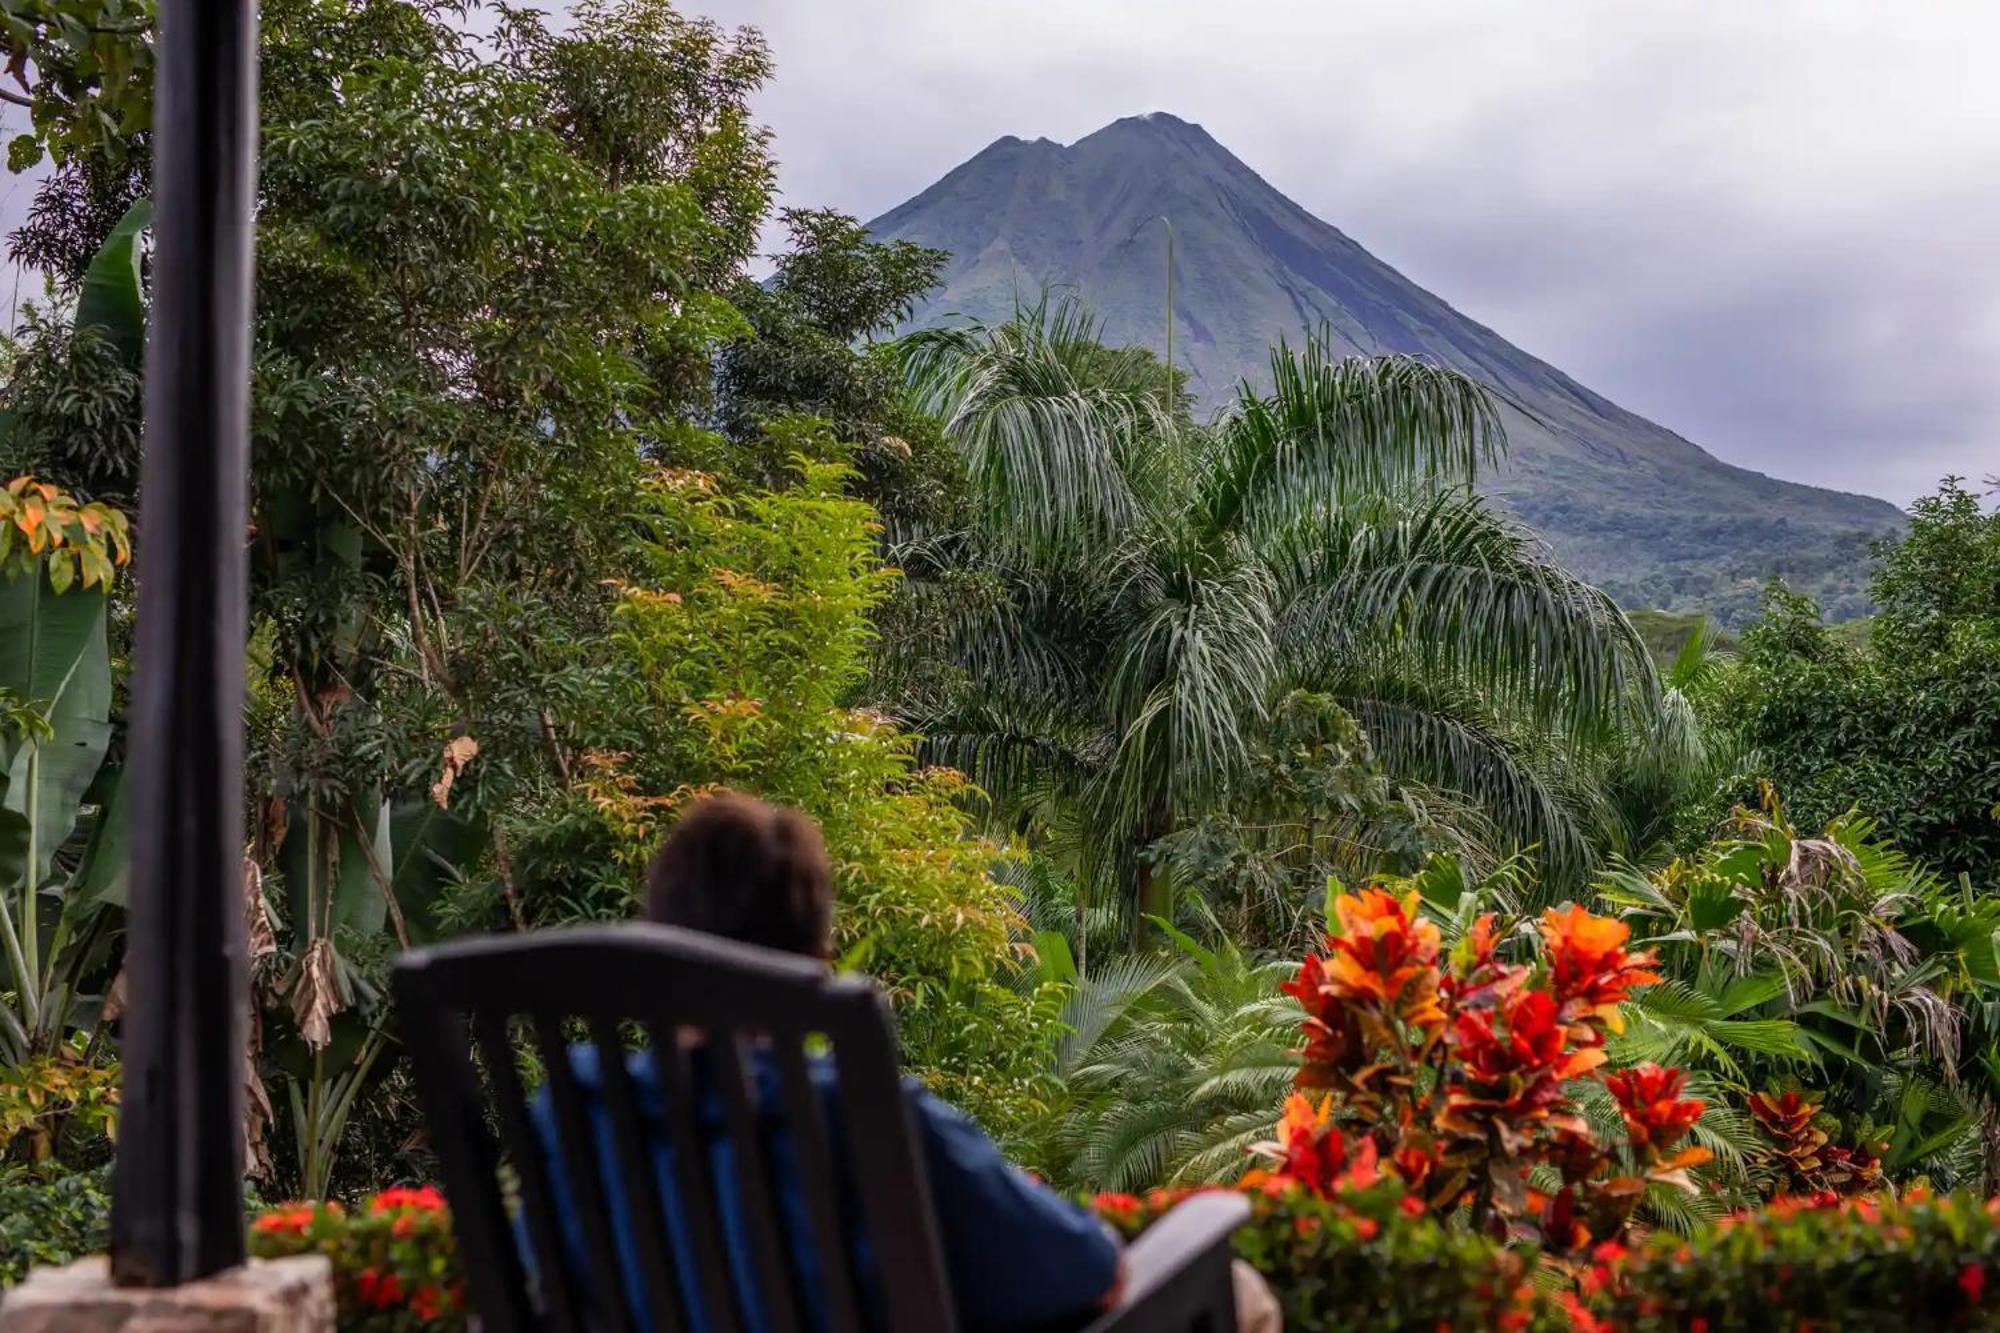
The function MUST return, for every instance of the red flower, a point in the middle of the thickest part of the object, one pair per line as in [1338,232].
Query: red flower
[1649,1098]
[1123,1209]
[377,1289]
[425,1198]
[426,1303]
[1972,1281]
[1314,1153]
[1536,1040]
[1414,1164]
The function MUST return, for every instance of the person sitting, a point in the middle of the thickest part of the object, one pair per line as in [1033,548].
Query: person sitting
[1020,1258]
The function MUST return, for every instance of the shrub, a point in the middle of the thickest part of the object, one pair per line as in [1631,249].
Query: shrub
[1367,1256]
[1913,1264]
[50,1216]
[1459,1070]
[737,645]
[394,1264]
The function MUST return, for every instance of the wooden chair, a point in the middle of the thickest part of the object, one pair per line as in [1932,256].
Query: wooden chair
[608,982]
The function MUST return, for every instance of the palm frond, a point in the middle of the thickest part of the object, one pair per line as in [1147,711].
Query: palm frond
[1345,426]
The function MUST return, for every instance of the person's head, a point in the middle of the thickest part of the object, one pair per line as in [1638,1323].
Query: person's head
[746,870]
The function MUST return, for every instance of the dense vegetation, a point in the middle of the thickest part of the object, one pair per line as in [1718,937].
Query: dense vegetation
[1242,802]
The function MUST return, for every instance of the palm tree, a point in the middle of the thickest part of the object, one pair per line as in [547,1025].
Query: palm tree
[1172,1066]
[1136,595]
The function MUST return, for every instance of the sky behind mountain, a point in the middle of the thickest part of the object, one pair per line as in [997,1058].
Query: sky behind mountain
[1769,227]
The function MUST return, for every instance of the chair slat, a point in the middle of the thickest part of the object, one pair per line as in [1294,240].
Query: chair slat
[691,1181]
[817,1182]
[556,1284]
[441,1040]
[753,1181]
[639,1179]
[581,1168]
[884,1157]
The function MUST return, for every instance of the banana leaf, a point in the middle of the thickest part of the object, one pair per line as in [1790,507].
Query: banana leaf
[111,300]
[53,654]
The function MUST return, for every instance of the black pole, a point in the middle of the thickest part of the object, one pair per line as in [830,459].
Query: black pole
[177,1201]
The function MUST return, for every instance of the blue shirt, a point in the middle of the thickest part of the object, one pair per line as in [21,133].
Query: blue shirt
[1019,1257]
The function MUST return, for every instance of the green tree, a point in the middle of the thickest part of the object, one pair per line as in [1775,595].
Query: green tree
[814,350]
[739,637]
[1136,596]
[490,279]
[1907,725]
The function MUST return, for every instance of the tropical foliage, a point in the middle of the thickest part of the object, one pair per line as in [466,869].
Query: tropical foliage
[50,1214]
[742,628]
[561,520]
[1138,603]
[1905,723]
[1831,961]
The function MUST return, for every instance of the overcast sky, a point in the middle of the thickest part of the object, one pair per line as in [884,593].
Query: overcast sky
[1772,226]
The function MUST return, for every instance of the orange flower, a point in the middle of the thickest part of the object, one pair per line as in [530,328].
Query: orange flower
[1590,974]
[288,1221]
[1314,1152]
[1649,1098]
[1386,950]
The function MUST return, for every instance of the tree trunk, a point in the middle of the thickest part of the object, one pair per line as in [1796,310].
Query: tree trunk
[1155,889]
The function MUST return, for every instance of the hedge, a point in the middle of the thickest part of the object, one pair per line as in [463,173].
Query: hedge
[1911,1264]
[1367,1257]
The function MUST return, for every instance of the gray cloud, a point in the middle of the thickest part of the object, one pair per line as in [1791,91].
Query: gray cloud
[1769,227]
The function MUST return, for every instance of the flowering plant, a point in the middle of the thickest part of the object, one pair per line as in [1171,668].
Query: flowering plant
[1800,1154]
[394,1264]
[1366,1253]
[1915,1263]
[1452,1071]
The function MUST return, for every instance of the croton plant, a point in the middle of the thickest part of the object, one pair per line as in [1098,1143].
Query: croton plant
[1453,1069]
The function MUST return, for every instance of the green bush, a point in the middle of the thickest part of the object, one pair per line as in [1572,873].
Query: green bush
[49,1215]
[1369,1258]
[1916,1264]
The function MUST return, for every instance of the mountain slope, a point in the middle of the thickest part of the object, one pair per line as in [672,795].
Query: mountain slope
[1630,504]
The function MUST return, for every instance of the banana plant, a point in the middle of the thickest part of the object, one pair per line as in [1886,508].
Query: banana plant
[59,558]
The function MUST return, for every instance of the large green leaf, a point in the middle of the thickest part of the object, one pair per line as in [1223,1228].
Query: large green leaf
[53,655]
[432,849]
[103,874]
[112,300]
[331,883]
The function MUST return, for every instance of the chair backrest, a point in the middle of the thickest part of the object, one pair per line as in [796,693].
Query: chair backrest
[468,1009]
